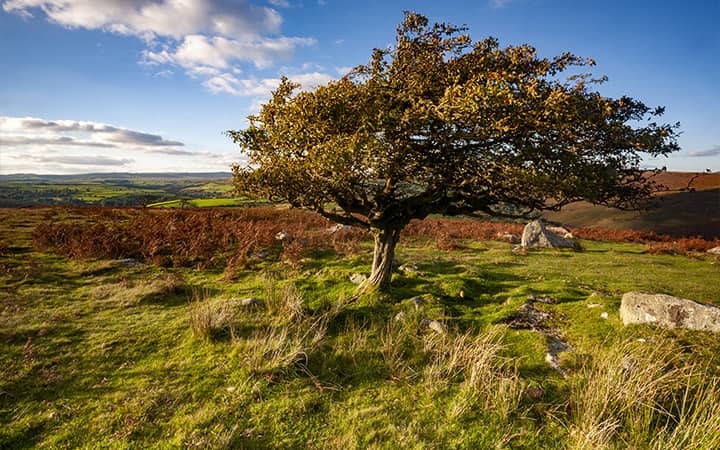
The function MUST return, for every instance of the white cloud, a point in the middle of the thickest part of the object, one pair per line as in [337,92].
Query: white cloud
[21,131]
[280,3]
[38,145]
[497,4]
[713,151]
[66,141]
[262,87]
[93,160]
[201,36]
[219,52]
[164,74]
[143,18]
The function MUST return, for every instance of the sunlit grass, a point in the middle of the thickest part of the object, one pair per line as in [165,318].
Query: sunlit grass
[99,353]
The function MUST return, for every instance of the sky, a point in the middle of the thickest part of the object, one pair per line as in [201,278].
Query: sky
[151,85]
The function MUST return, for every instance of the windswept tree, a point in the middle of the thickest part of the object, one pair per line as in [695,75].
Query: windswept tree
[437,124]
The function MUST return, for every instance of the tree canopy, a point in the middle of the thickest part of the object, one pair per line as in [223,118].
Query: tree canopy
[439,124]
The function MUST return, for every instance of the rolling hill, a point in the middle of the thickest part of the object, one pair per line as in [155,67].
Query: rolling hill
[680,212]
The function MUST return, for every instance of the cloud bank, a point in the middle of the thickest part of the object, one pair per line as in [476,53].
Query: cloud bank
[31,144]
[713,151]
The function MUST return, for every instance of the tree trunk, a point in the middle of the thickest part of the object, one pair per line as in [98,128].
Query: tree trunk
[385,241]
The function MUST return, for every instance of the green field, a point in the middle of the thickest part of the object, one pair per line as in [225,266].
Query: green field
[114,189]
[100,353]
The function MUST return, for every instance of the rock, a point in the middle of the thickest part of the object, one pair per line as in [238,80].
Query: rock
[669,312]
[335,228]
[251,301]
[358,278]
[527,317]
[556,346]
[282,235]
[262,255]
[418,301]
[604,315]
[129,262]
[409,268]
[546,300]
[508,237]
[519,250]
[715,250]
[536,235]
[434,325]
[560,231]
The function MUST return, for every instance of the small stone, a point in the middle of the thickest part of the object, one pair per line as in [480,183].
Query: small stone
[337,227]
[546,300]
[129,262]
[435,326]
[282,235]
[604,315]
[230,388]
[358,278]
[418,301]
[535,392]
[508,237]
[262,256]
[552,360]
[251,301]
[519,250]
[409,268]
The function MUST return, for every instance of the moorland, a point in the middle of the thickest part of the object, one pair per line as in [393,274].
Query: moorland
[134,327]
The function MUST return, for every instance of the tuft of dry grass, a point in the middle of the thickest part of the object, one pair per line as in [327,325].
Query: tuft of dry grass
[209,319]
[282,348]
[695,420]
[286,303]
[474,360]
[623,392]
[396,346]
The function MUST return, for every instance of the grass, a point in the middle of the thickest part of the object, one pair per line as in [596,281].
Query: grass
[132,190]
[97,353]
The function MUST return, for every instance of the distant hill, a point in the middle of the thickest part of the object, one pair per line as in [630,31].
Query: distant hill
[114,176]
[679,213]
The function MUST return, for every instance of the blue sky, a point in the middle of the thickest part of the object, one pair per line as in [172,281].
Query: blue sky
[150,85]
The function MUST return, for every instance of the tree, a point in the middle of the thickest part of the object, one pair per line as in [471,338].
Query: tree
[438,125]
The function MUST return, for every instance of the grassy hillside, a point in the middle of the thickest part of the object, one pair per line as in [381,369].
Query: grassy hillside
[688,213]
[100,352]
